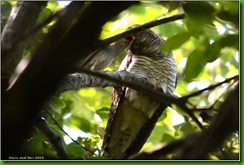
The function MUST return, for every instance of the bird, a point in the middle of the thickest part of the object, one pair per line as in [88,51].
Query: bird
[103,57]
[133,115]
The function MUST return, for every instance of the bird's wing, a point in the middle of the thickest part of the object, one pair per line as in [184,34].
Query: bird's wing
[118,95]
[103,57]
[145,132]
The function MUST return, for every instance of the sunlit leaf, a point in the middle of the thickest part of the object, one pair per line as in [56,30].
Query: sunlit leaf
[56,103]
[229,12]
[213,157]
[175,41]
[184,128]
[53,5]
[157,134]
[44,15]
[170,29]
[211,32]
[137,9]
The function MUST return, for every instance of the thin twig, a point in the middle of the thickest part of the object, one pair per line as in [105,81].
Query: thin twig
[211,106]
[211,87]
[60,127]
[53,136]
[148,25]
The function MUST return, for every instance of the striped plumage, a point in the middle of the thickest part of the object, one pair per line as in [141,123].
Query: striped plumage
[131,110]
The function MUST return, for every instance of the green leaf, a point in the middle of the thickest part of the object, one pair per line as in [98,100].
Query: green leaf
[34,144]
[38,144]
[56,103]
[196,62]
[103,112]
[85,125]
[137,9]
[231,40]
[53,5]
[211,32]
[80,123]
[184,129]
[175,41]
[213,51]
[75,151]
[229,12]
[171,29]
[201,12]
[174,5]
[44,15]
[194,27]
[198,14]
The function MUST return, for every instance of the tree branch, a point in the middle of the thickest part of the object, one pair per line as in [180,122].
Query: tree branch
[148,25]
[51,62]
[82,80]
[140,84]
[95,79]
[211,87]
[60,127]
[16,27]
[224,124]
[34,30]
[198,145]
[212,104]
[53,136]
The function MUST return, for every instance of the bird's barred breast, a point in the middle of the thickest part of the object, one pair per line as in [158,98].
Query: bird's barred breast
[162,74]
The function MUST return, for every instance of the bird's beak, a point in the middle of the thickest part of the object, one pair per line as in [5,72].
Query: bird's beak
[131,39]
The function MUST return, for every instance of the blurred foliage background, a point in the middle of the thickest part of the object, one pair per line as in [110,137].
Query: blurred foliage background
[206,48]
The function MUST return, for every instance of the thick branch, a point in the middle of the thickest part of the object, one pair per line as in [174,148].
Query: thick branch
[26,36]
[16,27]
[127,79]
[144,86]
[141,84]
[82,80]
[136,82]
[51,62]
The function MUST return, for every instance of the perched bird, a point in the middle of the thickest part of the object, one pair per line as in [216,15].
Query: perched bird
[133,115]
[103,57]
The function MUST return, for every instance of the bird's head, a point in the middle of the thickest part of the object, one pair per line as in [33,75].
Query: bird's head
[146,43]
